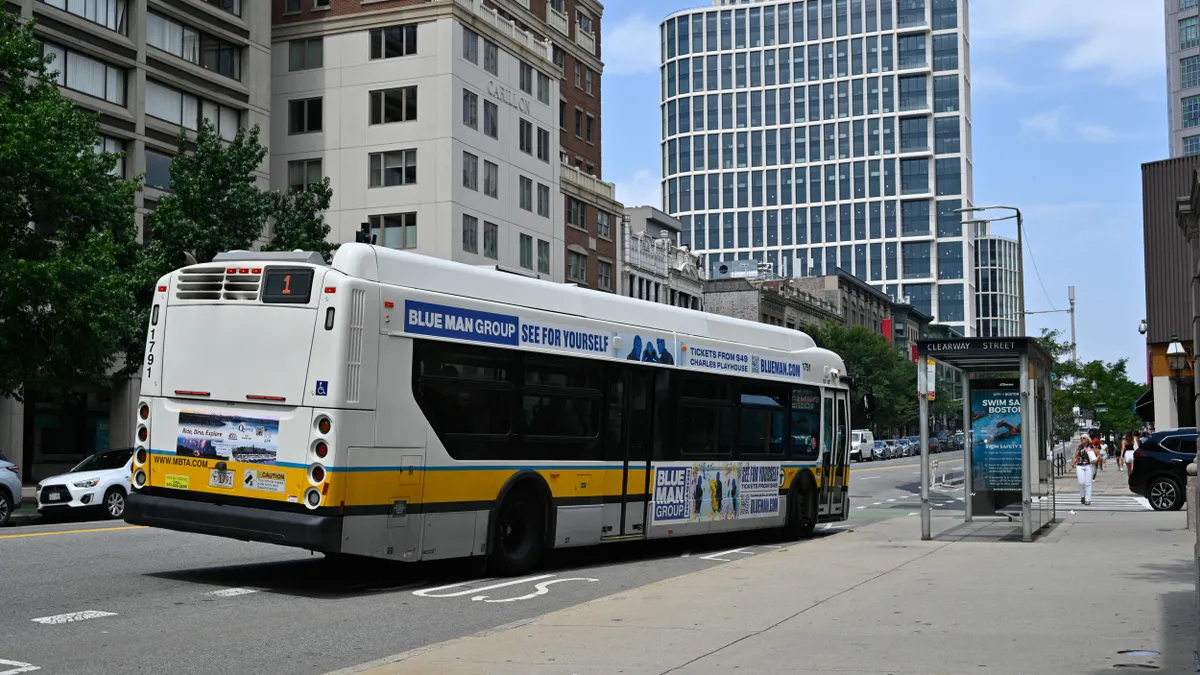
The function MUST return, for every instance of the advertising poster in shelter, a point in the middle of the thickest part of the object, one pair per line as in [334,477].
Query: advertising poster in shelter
[996,445]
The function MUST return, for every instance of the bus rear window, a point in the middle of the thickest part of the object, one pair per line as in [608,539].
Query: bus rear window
[287,285]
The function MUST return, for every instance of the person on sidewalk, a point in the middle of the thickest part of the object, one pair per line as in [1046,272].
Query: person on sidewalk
[1083,463]
[1128,446]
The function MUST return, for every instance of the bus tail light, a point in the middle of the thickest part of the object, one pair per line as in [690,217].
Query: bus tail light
[316,474]
[321,449]
[324,425]
[143,433]
[139,479]
[144,411]
[312,498]
[139,457]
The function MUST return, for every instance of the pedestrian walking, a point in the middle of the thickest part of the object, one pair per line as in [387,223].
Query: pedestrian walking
[1130,444]
[1083,462]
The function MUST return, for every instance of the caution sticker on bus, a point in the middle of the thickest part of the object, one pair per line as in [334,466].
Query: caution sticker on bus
[177,482]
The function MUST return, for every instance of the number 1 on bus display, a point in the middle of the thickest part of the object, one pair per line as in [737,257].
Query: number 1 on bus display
[287,285]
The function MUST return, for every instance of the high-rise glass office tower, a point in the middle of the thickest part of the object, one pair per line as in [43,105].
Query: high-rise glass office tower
[825,134]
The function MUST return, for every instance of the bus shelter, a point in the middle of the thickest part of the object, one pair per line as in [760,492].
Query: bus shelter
[1007,423]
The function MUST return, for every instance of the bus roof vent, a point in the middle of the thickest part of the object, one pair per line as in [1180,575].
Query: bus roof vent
[208,282]
[310,257]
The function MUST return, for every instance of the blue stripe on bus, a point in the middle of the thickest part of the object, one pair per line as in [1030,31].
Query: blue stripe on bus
[460,467]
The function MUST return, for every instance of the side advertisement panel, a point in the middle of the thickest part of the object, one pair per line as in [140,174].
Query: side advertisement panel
[700,354]
[692,492]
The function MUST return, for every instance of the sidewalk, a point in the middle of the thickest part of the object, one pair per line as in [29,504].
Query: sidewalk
[876,600]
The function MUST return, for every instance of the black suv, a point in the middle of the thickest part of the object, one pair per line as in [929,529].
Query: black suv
[1160,468]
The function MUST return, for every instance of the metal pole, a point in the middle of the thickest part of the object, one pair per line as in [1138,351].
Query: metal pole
[1026,455]
[1021,267]
[1074,350]
[968,445]
[923,393]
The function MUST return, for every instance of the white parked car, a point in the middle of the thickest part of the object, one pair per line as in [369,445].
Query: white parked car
[100,481]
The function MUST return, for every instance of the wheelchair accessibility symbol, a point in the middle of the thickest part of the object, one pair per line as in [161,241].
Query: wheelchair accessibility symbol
[322,388]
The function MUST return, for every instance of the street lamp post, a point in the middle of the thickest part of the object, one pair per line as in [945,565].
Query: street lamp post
[1020,251]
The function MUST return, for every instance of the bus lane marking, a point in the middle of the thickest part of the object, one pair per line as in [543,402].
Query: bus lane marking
[542,589]
[72,617]
[231,592]
[433,592]
[16,667]
[717,556]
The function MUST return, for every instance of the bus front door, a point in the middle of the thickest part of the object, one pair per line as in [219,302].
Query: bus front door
[828,454]
[839,486]
[638,441]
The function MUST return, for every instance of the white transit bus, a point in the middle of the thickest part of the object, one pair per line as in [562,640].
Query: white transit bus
[409,408]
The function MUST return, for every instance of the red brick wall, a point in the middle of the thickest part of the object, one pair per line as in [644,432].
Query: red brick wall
[604,247]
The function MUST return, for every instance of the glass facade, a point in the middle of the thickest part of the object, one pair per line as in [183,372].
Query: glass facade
[996,300]
[823,134]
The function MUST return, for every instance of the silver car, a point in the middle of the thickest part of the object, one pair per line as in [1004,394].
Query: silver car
[10,489]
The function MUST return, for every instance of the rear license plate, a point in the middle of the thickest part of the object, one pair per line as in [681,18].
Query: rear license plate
[220,479]
[54,496]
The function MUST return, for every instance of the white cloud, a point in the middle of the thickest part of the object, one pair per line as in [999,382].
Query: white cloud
[641,189]
[1124,38]
[1047,123]
[631,46]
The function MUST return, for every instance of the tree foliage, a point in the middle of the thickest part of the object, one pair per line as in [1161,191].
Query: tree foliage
[878,369]
[298,223]
[1099,386]
[67,232]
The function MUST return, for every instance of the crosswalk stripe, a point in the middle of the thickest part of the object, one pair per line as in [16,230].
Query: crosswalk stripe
[1102,502]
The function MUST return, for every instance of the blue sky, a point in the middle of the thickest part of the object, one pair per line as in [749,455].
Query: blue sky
[1067,103]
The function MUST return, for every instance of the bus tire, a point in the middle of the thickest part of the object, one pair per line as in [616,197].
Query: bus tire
[519,533]
[801,515]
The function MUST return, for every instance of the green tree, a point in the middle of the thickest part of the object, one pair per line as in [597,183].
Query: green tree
[878,369]
[67,232]
[298,223]
[1103,387]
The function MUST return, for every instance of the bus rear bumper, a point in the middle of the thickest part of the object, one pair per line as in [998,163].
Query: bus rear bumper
[316,533]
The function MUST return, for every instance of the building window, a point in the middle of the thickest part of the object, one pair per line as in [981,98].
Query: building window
[112,14]
[491,179]
[491,57]
[1186,4]
[1191,145]
[576,267]
[559,56]
[158,170]
[397,167]
[946,134]
[393,41]
[115,147]
[914,176]
[526,194]
[576,213]
[543,200]
[910,51]
[470,45]
[945,93]
[470,171]
[526,251]
[562,114]
[526,78]
[949,176]
[86,75]
[915,259]
[543,266]
[558,6]
[578,123]
[491,119]
[587,134]
[306,54]
[950,261]
[491,237]
[470,106]
[543,87]
[1191,111]
[587,81]
[394,105]
[187,110]
[604,224]
[470,234]
[1189,72]
[945,14]
[578,76]
[912,93]
[543,145]
[604,275]
[526,134]
[292,6]
[188,43]
[304,172]
[1188,35]
[395,230]
[950,302]
[945,51]
[321,4]
[304,116]
[584,21]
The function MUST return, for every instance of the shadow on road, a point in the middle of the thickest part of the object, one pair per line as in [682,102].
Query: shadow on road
[321,577]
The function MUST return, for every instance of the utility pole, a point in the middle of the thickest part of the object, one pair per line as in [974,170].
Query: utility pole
[1074,350]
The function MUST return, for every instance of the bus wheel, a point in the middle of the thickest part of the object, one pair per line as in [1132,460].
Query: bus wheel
[801,516]
[519,535]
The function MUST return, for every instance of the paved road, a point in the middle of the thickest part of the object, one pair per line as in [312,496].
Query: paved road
[892,488]
[105,597]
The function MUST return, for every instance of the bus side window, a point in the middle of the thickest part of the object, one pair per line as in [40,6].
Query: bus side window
[806,423]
